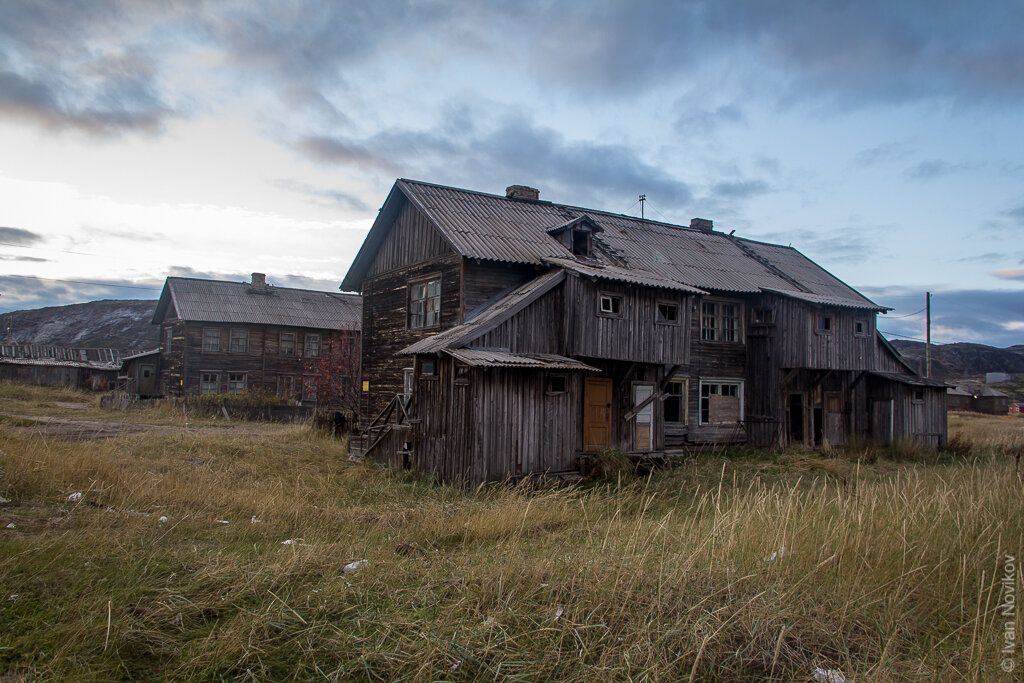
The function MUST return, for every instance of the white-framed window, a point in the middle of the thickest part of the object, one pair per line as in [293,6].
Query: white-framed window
[239,341]
[675,408]
[236,382]
[209,383]
[667,313]
[721,401]
[408,383]
[609,305]
[720,321]
[286,344]
[312,346]
[425,303]
[211,339]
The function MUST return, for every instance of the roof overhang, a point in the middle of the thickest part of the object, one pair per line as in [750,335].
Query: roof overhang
[500,358]
[825,300]
[628,275]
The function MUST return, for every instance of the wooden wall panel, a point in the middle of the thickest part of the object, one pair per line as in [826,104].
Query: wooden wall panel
[412,240]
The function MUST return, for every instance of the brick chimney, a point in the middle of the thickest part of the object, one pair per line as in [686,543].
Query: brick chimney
[259,280]
[522,192]
[702,224]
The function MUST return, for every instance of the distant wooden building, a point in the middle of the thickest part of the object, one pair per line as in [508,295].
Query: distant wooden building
[978,398]
[139,374]
[221,337]
[94,369]
[509,336]
[959,398]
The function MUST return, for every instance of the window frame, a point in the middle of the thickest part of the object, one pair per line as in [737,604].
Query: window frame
[208,336]
[281,344]
[587,240]
[306,346]
[866,332]
[286,386]
[714,381]
[203,383]
[914,393]
[762,315]
[823,323]
[235,391]
[244,334]
[432,375]
[550,390]
[718,328]
[684,401]
[461,369]
[410,288]
[612,299]
[659,319]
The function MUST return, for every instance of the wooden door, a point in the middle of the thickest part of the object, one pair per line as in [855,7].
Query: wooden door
[644,418]
[147,379]
[882,421]
[597,413]
[835,419]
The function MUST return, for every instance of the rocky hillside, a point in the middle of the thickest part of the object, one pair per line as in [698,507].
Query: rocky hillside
[950,361]
[115,324]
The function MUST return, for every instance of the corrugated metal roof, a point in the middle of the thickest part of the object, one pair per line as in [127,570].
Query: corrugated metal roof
[143,354]
[827,300]
[496,228]
[913,380]
[619,274]
[503,359]
[489,318]
[60,353]
[239,302]
[57,363]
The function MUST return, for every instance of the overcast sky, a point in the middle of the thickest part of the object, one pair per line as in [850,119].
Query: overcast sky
[882,139]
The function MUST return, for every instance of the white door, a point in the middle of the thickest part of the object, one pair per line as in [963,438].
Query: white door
[644,418]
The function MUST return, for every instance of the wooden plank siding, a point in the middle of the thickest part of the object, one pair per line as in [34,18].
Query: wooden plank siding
[719,360]
[411,240]
[484,281]
[536,329]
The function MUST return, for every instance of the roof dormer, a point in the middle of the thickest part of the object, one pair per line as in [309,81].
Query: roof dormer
[577,235]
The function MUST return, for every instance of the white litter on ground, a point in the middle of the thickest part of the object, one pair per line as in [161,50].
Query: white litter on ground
[163,519]
[222,521]
[828,676]
[778,554]
[353,566]
[77,495]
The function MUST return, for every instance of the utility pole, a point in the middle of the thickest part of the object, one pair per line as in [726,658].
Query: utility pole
[928,334]
[643,198]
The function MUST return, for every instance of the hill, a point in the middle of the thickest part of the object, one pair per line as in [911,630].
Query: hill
[117,324]
[963,359]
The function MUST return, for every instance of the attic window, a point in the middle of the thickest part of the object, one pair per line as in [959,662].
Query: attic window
[581,243]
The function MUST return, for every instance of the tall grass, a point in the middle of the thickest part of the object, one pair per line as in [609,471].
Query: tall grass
[882,571]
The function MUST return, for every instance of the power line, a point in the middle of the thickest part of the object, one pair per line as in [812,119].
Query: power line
[908,315]
[84,282]
[903,336]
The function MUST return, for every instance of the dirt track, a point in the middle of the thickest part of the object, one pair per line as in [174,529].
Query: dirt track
[82,430]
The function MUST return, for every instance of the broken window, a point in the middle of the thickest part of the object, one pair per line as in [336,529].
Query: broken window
[610,305]
[764,315]
[667,313]
[425,303]
[211,339]
[674,403]
[461,374]
[581,244]
[239,341]
[236,382]
[824,325]
[557,384]
[720,321]
[286,345]
[721,402]
[312,346]
[209,383]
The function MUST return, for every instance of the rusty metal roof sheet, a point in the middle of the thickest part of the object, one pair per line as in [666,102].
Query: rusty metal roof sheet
[239,302]
[489,318]
[493,358]
[496,228]
[620,274]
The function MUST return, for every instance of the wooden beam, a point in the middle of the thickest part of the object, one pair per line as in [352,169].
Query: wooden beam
[789,377]
[820,380]
[655,395]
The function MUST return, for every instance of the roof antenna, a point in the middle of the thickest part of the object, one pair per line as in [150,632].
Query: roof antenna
[642,199]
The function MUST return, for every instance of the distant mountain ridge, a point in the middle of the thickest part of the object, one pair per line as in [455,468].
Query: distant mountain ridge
[111,323]
[963,359]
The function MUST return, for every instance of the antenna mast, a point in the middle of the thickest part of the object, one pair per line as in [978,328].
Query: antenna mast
[928,334]
[642,199]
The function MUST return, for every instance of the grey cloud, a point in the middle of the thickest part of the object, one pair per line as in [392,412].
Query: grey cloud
[933,168]
[31,292]
[968,315]
[19,236]
[23,259]
[880,154]
[828,247]
[336,150]
[739,189]
[990,257]
[1017,214]
[345,200]
[703,121]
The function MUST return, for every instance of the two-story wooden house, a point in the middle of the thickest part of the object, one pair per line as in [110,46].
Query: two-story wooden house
[507,335]
[219,337]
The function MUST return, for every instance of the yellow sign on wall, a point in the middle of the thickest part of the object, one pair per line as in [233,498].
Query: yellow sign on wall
[366,385]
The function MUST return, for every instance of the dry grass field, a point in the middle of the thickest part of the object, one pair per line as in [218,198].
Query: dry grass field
[199,554]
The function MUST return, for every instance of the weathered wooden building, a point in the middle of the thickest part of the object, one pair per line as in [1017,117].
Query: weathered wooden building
[139,374]
[507,335]
[58,366]
[221,337]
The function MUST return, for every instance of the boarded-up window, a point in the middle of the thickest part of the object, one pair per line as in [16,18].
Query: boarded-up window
[211,339]
[425,303]
[721,402]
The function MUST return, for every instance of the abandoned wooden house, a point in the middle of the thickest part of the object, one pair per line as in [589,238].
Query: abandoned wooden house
[507,336]
[220,337]
[58,366]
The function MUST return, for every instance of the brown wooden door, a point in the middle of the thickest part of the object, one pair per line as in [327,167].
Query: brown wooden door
[147,379]
[597,413]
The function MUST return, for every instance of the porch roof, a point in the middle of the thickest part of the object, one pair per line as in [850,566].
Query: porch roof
[498,358]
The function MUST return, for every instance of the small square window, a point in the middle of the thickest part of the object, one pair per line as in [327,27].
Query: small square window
[824,323]
[667,313]
[918,396]
[557,384]
[211,339]
[861,328]
[610,305]
[462,374]
[764,315]
[428,368]
[287,344]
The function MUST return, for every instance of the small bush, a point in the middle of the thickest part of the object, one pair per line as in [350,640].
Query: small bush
[609,463]
[960,445]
